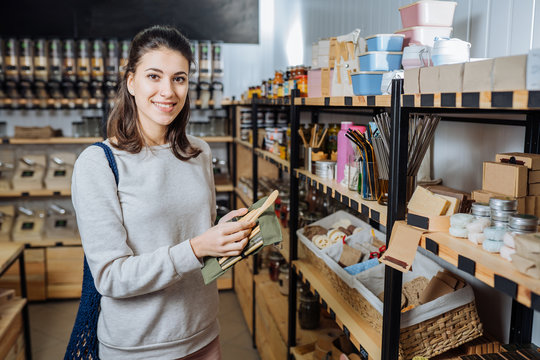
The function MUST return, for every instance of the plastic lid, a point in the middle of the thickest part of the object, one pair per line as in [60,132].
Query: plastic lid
[421,1]
[502,203]
[372,36]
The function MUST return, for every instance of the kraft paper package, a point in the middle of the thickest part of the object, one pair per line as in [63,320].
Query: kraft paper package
[270,234]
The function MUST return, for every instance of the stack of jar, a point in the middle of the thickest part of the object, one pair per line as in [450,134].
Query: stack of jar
[501,210]
[518,224]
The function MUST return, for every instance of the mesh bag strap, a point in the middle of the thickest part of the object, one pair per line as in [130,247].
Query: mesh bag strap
[83,343]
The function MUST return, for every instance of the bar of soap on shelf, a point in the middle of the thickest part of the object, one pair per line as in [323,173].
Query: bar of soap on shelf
[495,233]
[458,232]
[453,208]
[460,220]
[477,238]
[424,202]
[478,225]
[493,246]
[506,252]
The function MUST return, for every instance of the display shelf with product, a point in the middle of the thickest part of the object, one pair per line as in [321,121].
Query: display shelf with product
[273,159]
[52,141]
[345,101]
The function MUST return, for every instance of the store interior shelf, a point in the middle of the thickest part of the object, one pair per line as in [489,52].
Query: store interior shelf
[352,101]
[34,193]
[361,333]
[217,139]
[517,100]
[224,283]
[51,242]
[303,352]
[8,253]
[247,200]
[273,159]
[51,141]
[489,268]
[283,247]
[224,102]
[352,199]
[245,144]
[224,187]
[9,312]
[50,103]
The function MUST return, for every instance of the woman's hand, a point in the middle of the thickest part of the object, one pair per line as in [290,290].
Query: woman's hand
[232,214]
[224,239]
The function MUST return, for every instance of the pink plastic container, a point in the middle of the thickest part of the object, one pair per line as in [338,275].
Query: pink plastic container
[428,13]
[314,83]
[424,35]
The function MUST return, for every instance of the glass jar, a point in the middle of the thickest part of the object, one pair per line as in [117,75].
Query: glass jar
[284,279]
[302,85]
[274,262]
[309,311]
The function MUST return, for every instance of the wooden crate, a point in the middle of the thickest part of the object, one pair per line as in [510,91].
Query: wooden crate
[64,271]
[11,330]
[34,260]
[243,286]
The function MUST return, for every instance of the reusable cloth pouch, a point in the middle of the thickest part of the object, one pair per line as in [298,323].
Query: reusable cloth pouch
[270,234]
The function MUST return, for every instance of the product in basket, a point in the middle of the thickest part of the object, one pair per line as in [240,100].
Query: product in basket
[403,299]
[341,223]
[414,289]
[336,235]
[312,230]
[349,256]
[441,284]
[321,241]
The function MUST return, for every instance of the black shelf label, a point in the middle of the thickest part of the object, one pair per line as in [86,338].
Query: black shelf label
[466,264]
[326,101]
[535,301]
[375,215]
[371,100]
[308,284]
[348,101]
[470,99]
[427,99]
[506,286]
[58,243]
[302,177]
[408,100]
[432,246]
[324,304]
[448,99]
[345,200]
[365,210]
[321,187]
[303,101]
[534,99]
[314,182]
[56,193]
[354,205]
[25,194]
[502,99]
[5,141]
[316,293]
[337,196]
[418,221]
[332,315]
[346,331]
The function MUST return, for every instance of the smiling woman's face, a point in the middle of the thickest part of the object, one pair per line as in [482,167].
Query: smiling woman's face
[159,86]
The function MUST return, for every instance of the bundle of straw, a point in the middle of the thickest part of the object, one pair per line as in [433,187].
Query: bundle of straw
[369,166]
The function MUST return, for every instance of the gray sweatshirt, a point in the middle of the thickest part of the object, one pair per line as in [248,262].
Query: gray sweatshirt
[155,304]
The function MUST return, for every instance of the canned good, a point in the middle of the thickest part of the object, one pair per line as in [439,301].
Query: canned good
[480,210]
[501,215]
[504,204]
[523,223]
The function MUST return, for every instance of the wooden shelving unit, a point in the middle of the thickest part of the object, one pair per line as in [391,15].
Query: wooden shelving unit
[345,101]
[224,187]
[247,200]
[34,193]
[52,141]
[273,159]
[352,199]
[245,144]
[362,335]
[217,139]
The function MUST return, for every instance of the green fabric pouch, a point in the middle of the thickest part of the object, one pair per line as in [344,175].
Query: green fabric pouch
[270,234]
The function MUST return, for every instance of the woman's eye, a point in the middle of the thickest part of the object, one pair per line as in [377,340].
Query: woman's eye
[180,79]
[153,76]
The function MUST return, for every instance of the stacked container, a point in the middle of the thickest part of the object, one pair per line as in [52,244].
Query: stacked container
[384,55]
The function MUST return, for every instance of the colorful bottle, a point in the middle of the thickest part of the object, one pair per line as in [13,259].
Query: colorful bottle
[344,149]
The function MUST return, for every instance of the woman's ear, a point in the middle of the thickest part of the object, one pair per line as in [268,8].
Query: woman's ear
[129,83]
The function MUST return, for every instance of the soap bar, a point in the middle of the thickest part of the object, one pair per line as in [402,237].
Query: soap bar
[495,233]
[453,207]
[509,240]
[458,232]
[506,252]
[424,202]
[478,225]
[493,246]
[477,238]
[460,220]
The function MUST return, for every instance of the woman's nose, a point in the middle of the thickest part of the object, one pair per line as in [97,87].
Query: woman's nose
[166,89]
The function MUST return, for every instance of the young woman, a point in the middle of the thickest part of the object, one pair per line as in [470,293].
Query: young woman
[144,239]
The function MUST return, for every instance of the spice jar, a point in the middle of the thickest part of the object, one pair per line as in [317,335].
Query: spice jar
[277,84]
[309,311]
[302,85]
[284,279]
[275,260]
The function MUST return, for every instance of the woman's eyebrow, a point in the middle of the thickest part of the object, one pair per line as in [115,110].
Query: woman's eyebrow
[160,71]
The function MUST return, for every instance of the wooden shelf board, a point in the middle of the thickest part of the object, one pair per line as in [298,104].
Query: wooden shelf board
[211,103]
[247,200]
[50,243]
[8,253]
[245,144]
[303,352]
[55,140]
[34,193]
[217,139]
[352,199]
[362,334]
[487,265]
[224,187]
[9,311]
[497,100]
[346,101]
[273,159]
[224,283]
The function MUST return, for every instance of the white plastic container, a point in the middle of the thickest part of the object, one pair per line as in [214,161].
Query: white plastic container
[424,35]
[415,56]
[450,51]
[428,13]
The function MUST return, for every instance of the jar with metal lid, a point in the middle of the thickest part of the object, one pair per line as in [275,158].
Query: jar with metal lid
[284,279]
[41,67]
[523,223]
[480,210]
[55,60]
[309,311]
[500,218]
[274,262]
[503,204]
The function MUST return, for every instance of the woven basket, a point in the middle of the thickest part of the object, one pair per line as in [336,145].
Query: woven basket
[428,338]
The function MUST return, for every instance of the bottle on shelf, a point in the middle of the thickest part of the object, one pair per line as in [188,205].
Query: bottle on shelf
[55,60]
[41,67]
[11,60]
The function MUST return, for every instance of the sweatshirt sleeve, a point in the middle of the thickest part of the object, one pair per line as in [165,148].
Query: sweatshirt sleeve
[117,271]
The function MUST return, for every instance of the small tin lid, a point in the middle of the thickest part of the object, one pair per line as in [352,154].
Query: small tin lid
[523,222]
[501,215]
[502,204]
[480,209]
[377,35]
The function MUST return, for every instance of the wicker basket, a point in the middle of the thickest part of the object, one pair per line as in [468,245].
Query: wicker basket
[428,338]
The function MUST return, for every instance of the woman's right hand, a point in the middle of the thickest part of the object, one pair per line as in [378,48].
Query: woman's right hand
[225,239]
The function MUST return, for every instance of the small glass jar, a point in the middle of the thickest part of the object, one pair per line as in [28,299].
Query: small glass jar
[275,260]
[284,279]
[309,311]
[284,211]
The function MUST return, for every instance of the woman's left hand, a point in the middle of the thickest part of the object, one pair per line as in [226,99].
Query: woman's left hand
[232,214]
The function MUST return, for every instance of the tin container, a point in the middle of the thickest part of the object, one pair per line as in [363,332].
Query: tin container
[502,204]
[325,169]
[523,223]
[480,210]
[501,215]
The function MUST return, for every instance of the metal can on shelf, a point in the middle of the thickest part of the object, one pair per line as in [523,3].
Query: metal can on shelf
[480,210]
[523,223]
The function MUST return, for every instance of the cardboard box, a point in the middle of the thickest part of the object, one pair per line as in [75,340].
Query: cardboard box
[483,196]
[506,179]
[463,197]
[510,73]
[477,76]
[326,81]
[530,204]
[532,161]
[534,189]
[534,176]
[411,81]
[451,78]
[429,223]
[403,247]
[429,80]
[533,70]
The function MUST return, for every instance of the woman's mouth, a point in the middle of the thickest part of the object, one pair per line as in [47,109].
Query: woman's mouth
[164,106]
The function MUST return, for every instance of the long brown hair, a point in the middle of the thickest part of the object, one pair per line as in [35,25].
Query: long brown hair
[123,121]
